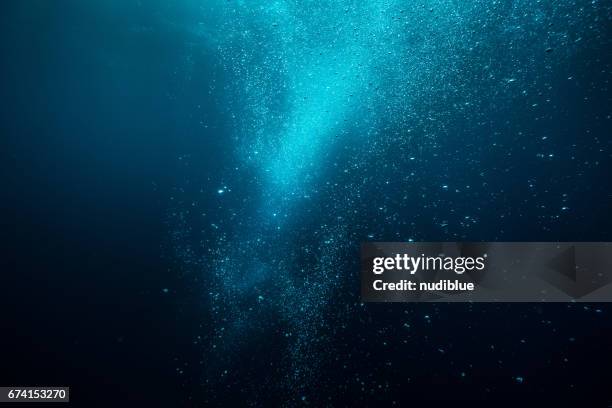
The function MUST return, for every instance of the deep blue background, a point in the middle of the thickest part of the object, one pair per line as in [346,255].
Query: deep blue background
[94,119]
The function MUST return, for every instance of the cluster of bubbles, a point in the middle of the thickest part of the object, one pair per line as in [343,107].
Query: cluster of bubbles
[345,118]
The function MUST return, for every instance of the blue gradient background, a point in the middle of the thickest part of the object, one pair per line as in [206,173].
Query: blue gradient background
[186,184]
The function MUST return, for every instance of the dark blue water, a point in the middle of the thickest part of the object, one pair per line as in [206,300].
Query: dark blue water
[186,184]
